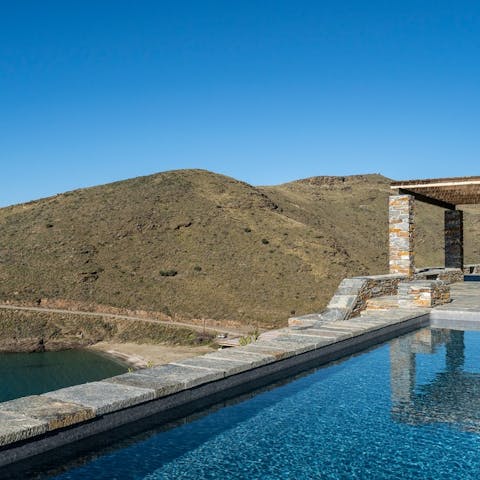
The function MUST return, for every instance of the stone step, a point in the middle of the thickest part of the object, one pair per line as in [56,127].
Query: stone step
[382,303]
[371,313]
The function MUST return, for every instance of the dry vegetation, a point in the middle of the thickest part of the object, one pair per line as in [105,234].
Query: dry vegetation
[194,244]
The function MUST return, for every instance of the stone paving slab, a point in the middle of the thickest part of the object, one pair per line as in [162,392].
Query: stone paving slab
[225,367]
[465,305]
[188,376]
[359,328]
[15,427]
[325,333]
[343,301]
[391,317]
[230,366]
[376,320]
[202,362]
[161,386]
[290,346]
[103,397]
[304,343]
[55,413]
[243,351]
[364,322]
[335,327]
[236,354]
[365,326]
[278,352]
[375,323]
[381,321]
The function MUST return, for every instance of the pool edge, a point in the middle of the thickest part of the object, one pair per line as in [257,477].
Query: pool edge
[203,395]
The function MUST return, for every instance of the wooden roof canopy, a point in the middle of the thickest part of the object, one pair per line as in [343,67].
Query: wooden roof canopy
[442,192]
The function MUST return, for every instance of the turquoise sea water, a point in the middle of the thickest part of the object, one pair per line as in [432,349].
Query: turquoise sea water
[24,374]
[408,409]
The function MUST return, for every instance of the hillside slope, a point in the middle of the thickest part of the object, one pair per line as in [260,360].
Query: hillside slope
[195,244]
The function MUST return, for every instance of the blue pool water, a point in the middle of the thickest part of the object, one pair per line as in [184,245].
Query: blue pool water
[407,409]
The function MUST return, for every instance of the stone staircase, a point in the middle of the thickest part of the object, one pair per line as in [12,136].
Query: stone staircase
[413,294]
[380,304]
[366,297]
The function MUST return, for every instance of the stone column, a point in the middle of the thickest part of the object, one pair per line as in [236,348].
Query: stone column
[454,239]
[402,234]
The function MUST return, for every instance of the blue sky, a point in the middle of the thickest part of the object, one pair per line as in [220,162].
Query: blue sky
[264,91]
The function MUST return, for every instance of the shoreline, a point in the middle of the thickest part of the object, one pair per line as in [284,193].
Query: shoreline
[129,361]
[131,355]
[143,355]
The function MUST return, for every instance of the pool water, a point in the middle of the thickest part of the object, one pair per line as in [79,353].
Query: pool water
[407,409]
[23,374]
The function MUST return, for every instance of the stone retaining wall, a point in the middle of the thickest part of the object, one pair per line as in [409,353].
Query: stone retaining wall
[454,238]
[448,275]
[351,298]
[471,269]
[352,294]
[424,294]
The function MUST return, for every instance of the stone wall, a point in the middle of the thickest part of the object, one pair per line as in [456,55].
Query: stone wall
[351,298]
[375,286]
[453,239]
[471,269]
[424,294]
[451,275]
[352,293]
[448,275]
[401,234]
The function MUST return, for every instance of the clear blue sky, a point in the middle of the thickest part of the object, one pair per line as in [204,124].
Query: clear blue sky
[264,91]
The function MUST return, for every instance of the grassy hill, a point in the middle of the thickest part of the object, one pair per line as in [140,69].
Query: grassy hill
[195,244]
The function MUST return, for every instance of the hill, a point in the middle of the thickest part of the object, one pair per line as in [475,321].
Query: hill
[194,244]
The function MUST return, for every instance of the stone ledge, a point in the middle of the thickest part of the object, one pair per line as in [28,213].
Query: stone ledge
[139,379]
[55,413]
[102,397]
[15,427]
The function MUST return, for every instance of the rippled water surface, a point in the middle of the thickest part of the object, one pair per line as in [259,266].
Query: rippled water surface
[24,374]
[407,409]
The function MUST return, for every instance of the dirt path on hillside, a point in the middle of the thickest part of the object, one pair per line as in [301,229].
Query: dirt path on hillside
[172,323]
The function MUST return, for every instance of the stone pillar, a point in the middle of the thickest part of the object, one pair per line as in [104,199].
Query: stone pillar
[402,234]
[454,239]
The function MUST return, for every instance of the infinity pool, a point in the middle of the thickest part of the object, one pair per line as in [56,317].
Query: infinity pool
[406,409]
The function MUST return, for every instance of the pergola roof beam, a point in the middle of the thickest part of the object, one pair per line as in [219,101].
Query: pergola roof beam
[426,199]
[443,192]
